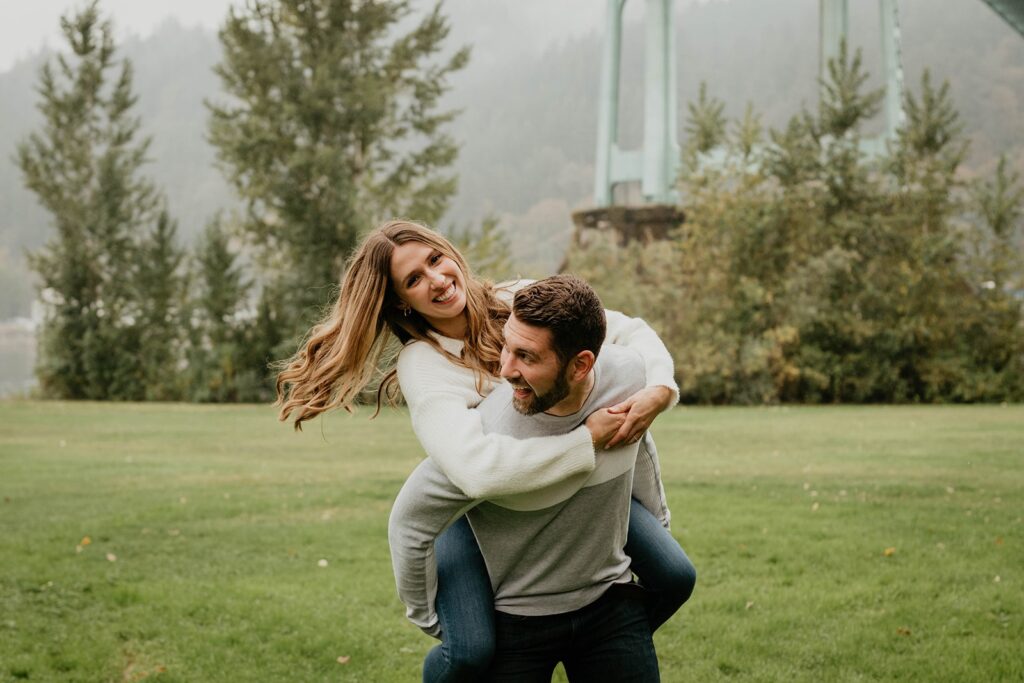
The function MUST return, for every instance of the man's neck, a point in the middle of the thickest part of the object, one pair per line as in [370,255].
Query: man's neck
[578,395]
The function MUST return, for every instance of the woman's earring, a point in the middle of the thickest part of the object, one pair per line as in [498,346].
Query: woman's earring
[405,310]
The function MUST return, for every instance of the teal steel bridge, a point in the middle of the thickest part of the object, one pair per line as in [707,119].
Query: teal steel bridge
[656,164]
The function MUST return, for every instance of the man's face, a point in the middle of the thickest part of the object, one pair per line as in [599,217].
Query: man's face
[531,366]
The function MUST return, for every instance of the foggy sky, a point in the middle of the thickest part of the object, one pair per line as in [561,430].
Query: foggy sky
[526,26]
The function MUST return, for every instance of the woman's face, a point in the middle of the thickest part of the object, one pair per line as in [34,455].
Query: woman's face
[432,284]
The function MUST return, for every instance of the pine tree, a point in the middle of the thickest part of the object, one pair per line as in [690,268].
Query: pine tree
[84,167]
[843,105]
[992,337]
[748,132]
[218,329]
[1000,202]
[332,126]
[222,285]
[163,287]
[705,127]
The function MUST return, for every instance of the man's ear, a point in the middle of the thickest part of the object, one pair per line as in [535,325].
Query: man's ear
[581,365]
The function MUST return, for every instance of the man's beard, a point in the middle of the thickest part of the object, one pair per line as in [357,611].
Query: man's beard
[539,403]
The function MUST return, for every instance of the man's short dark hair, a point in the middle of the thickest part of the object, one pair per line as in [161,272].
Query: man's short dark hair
[569,308]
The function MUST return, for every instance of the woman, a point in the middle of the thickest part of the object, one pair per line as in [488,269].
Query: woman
[408,281]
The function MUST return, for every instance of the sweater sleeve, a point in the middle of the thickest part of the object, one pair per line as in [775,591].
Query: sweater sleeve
[636,334]
[647,484]
[441,395]
[427,504]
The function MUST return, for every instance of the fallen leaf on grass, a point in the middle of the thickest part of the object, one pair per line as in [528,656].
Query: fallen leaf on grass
[343,660]
[997,579]
[889,552]
[85,541]
[111,557]
[322,563]
[814,508]
[903,631]
[750,603]
[999,540]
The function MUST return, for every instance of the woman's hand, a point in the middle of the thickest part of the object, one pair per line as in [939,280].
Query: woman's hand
[604,425]
[639,410]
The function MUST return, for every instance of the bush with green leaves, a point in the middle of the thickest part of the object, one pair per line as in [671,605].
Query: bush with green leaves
[808,271]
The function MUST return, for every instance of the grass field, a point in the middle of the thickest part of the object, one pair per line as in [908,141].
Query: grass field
[185,543]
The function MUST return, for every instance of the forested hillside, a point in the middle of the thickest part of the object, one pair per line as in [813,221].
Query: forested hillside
[528,120]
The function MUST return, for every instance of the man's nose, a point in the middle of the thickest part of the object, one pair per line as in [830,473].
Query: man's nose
[508,370]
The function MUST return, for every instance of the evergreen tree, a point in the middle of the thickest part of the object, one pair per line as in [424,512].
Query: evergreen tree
[332,125]
[219,328]
[1000,203]
[748,132]
[926,322]
[705,127]
[84,167]
[992,340]
[163,286]
[222,284]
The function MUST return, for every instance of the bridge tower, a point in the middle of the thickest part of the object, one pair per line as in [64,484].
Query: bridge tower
[656,164]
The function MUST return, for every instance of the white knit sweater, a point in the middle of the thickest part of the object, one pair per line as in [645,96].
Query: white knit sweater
[441,397]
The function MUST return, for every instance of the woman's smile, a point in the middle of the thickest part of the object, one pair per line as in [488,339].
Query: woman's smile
[432,284]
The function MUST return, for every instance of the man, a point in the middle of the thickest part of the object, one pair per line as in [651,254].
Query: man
[562,581]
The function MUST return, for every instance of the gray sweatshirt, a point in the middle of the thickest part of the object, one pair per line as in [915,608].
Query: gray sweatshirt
[549,551]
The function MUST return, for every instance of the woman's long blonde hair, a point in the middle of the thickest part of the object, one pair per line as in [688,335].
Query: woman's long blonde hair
[341,354]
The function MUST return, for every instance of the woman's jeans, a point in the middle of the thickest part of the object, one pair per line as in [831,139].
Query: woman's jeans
[465,602]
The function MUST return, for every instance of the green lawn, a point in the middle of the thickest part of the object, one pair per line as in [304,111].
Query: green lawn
[832,544]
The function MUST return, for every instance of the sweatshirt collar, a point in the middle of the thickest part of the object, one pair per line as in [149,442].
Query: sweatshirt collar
[452,346]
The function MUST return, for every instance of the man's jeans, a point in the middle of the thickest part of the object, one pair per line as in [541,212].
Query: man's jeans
[465,602]
[608,640]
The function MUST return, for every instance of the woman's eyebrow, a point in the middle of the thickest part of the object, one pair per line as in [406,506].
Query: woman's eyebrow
[417,269]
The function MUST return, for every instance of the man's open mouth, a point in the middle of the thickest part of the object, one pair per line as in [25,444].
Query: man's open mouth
[521,392]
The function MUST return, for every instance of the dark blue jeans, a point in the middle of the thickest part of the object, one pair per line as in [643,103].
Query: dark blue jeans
[465,603]
[608,640]
[660,563]
[465,608]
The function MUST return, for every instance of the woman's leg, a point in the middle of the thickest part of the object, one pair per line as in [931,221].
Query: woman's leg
[465,608]
[661,565]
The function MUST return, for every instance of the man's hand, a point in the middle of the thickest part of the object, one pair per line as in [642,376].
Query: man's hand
[639,410]
[604,425]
